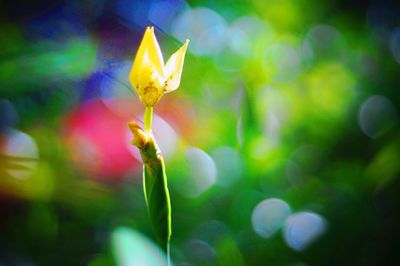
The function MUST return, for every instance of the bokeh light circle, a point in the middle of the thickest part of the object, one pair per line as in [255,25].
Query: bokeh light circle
[200,173]
[200,252]
[377,115]
[303,228]
[205,28]
[245,33]
[160,13]
[25,152]
[268,216]
[229,165]
[324,41]
[163,13]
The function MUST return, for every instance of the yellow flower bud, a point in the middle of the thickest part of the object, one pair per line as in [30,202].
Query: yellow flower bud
[149,76]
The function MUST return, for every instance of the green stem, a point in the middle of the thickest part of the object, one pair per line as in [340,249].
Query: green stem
[148,117]
[154,183]
[156,192]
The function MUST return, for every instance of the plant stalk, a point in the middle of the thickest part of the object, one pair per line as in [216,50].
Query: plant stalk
[148,118]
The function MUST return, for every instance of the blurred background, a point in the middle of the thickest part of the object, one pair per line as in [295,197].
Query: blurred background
[282,143]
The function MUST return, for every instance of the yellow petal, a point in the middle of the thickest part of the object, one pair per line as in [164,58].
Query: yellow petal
[155,54]
[173,68]
[150,84]
[150,46]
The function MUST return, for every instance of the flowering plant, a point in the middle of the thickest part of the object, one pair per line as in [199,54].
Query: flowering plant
[151,79]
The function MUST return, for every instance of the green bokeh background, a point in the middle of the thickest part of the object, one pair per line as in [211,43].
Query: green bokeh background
[300,104]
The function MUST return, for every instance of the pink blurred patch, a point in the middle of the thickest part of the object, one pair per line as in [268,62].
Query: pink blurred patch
[98,140]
